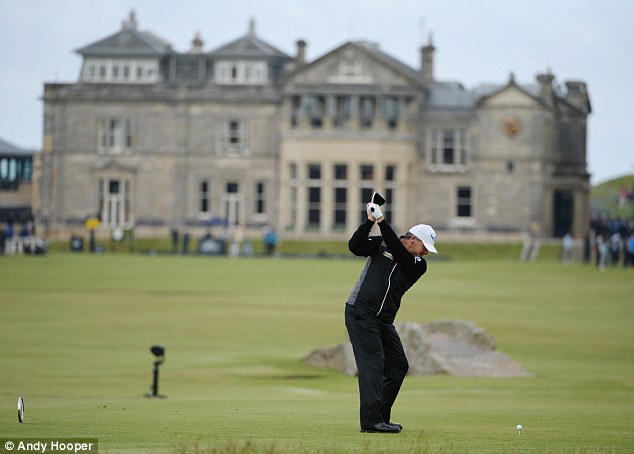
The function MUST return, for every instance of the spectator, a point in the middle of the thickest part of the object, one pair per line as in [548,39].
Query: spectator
[174,236]
[615,248]
[568,244]
[628,253]
[237,237]
[9,241]
[587,249]
[271,241]
[603,251]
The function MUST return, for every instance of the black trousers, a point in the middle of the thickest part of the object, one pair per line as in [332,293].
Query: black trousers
[381,363]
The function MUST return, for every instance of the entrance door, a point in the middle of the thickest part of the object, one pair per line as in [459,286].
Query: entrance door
[564,213]
[233,203]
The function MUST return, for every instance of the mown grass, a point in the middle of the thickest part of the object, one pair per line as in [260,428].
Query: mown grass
[75,332]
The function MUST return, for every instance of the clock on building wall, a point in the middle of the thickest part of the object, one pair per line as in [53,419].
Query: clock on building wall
[511,126]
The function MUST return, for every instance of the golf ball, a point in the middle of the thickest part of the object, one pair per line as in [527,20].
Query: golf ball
[519,427]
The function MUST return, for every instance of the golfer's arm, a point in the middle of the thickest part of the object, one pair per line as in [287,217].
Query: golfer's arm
[360,243]
[412,267]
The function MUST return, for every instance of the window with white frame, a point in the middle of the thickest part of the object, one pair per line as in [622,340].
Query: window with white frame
[204,197]
[108,70]
[314,195]
[391,111]
[260,197]
[343,110]
[241,72]
[366,175]
[390,191]
[368,106]
[233,138]
[114,198]
[464,202]
[293,189]
[340,195]
[447,150]
[232,202]
[115,135]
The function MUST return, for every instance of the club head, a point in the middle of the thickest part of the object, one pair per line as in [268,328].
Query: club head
[378,199]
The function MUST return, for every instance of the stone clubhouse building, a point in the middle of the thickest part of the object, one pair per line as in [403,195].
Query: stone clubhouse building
[154,139]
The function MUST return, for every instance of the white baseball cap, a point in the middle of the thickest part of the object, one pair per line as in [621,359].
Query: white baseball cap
[426,234]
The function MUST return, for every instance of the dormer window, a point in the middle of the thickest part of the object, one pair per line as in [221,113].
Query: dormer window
[241,72]
[109,70]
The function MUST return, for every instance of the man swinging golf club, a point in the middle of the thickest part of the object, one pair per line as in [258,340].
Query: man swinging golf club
[394,264]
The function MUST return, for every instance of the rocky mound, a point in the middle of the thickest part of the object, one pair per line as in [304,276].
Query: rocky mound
[453,347]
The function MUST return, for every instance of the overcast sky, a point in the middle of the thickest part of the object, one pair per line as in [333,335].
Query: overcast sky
[477,41]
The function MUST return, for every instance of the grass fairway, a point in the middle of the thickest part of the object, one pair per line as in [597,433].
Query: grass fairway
[75,332]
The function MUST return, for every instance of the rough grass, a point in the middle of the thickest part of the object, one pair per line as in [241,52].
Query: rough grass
[75,332]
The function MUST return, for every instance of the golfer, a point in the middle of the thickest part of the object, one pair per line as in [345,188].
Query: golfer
[394,264]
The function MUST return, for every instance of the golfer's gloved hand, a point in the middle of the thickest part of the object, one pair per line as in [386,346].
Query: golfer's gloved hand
[375,211]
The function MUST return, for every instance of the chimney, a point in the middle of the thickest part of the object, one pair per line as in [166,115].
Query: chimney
[546,87]
[131,23]
[301,53]
[251,27]
[427,61]
[197,44]
[577,95]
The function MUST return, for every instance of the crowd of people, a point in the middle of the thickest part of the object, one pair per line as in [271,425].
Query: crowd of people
[610,242]
[19,238]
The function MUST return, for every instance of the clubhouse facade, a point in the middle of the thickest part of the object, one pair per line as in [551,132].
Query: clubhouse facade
[152,139]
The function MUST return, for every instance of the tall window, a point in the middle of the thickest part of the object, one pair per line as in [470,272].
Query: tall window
[366,172]
[296,110]
[340,195]
[14,171]
[314,195]
[234,134]
[343,110]
[115,201]
[293,184]
[204,197]
[315,108]
[447,150]
[390,111]
[464,202]
[260,197]
[115,135]
[232,199]
[233,137]
[390,185]
[367,111]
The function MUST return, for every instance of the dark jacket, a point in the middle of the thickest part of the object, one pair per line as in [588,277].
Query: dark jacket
[388,273]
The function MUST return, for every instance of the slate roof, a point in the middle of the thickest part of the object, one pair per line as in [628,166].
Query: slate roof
[452,95]
[128,42]
[390,61]
[7,149]
[249,46]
